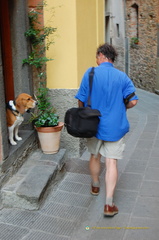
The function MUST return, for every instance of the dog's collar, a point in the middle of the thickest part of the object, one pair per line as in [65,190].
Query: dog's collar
[11,106]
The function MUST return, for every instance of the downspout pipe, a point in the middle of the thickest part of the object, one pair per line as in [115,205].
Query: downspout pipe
[126,42]
[157,62]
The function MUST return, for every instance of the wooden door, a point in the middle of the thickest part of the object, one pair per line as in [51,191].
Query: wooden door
[6,47]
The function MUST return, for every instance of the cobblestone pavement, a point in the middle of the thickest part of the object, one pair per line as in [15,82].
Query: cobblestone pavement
[71,213]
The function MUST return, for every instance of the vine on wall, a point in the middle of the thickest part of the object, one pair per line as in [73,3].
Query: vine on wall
[40,37]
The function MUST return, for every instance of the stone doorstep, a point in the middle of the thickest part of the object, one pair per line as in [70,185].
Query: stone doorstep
[26,191]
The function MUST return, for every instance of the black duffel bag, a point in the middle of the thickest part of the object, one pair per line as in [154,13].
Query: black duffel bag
[82,122]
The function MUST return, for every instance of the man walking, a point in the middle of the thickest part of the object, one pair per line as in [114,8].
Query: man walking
[112,94]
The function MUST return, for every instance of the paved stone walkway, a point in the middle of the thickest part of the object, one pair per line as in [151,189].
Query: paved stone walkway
[71,213]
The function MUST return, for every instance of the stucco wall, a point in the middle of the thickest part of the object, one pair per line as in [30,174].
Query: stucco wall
[90,33]
[80,28]
[62,71]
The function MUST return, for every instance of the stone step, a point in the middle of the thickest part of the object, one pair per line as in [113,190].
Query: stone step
[27,187]
[17,155]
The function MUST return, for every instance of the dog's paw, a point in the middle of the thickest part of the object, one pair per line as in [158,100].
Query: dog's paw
[18,138]
[13,143]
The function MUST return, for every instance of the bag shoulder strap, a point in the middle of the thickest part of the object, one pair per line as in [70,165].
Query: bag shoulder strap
[91,74]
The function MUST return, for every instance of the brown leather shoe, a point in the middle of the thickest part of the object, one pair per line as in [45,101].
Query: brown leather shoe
[110,211]
[95,190]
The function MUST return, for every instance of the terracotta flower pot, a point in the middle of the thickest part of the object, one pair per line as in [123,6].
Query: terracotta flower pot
[49,138]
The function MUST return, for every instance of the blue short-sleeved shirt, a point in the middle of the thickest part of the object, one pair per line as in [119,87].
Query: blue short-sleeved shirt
[110,87]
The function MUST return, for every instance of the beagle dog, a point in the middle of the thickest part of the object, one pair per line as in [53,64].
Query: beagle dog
[15,110]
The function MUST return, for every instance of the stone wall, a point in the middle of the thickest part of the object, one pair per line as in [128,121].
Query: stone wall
[142,55]
[120,62]
[63,99]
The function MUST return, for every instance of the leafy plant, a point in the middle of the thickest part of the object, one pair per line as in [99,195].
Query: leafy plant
[46,115]
[37,35]
[134,42]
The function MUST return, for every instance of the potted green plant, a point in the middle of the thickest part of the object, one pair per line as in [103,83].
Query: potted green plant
[45,119]
[46,122]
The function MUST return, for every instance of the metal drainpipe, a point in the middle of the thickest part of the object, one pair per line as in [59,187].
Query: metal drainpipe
[126,43]
[157,62]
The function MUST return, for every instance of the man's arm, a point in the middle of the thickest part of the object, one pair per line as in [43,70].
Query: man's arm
[80,104]
[131,104]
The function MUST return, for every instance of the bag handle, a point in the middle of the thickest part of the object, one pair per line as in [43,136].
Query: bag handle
[91,74]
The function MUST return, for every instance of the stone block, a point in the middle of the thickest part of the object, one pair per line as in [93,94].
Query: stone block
[26,189]
[35,183]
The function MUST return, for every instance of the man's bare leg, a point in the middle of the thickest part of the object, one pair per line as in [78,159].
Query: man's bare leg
[111,178]
[94,166]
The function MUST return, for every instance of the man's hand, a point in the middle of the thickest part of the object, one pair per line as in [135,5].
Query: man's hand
[80,104]
[131,104]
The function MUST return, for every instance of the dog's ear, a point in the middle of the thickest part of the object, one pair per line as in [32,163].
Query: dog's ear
[19,105]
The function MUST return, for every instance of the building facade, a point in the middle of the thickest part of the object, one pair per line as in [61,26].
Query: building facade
[15,78]
[142,26]
[132,26]
[80,29]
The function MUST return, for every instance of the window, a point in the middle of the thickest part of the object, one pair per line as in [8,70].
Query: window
[117,28]
[134,21]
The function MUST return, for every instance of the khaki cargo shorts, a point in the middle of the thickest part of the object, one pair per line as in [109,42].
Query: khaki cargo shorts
[106,149]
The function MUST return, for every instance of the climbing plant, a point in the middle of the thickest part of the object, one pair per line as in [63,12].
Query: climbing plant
[39,37]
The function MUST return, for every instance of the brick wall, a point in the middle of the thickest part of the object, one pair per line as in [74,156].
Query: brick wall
[141,21]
